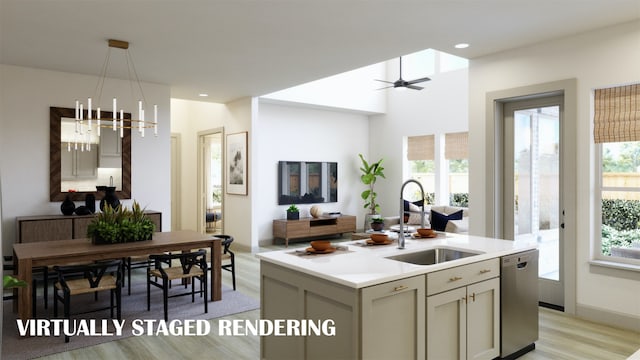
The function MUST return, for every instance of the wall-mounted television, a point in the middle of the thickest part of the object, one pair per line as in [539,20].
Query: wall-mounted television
[307,182]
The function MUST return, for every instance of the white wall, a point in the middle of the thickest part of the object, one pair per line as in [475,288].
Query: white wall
[187,119]
[304,134]
[351,90]
[596,59]
[441,107]
[25,97]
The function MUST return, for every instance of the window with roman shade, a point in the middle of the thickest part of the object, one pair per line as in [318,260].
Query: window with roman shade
[420,147]
[616,128]
[456,146]
[617,114]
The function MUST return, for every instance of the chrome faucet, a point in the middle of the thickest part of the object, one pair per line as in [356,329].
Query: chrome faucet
[401,234]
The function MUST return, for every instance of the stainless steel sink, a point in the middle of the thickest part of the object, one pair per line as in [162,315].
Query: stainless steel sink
[432,256]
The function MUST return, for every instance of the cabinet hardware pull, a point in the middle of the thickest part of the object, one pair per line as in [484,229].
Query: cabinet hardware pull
[473,297]
[484,271]
[464,299]
[455,278]
[400,288]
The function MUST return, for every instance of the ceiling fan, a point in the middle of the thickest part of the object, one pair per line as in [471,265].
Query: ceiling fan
[401,83]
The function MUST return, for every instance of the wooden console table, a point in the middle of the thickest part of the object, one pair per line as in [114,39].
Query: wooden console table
[309,227]
[62,227]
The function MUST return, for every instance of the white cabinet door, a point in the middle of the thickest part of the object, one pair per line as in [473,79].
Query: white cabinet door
[110,149]
[447,325]
[76,164]
[393,319]
[483,320]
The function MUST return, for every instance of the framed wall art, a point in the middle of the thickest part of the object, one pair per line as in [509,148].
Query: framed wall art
[236,160]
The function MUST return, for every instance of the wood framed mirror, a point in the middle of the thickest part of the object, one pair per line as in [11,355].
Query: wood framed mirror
[117,163]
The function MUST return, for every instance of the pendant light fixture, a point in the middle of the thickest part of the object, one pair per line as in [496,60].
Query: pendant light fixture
[89,122]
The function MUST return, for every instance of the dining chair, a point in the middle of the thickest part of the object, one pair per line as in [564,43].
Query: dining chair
[130,263]
[193,265]
[228,257]
[85,279]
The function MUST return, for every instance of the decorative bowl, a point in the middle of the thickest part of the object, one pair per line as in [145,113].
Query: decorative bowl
[425,232]
[320,245]
[379,238]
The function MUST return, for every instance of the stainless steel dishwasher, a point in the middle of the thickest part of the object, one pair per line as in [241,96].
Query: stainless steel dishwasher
[519,303]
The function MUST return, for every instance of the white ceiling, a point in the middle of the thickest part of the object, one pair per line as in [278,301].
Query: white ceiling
[237,48]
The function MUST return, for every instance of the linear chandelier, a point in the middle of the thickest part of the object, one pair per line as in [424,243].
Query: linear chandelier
[89,122]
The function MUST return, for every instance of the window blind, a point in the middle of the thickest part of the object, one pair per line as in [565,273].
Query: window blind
[617,114]
[420,147]
[456,146]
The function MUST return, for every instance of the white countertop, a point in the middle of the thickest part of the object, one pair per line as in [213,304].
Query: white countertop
[361,266]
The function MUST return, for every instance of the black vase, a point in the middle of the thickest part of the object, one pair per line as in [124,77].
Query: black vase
[90,202]
[109,197]
[67,207]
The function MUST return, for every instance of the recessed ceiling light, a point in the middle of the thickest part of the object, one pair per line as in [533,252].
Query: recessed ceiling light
[203,95]
[461,46]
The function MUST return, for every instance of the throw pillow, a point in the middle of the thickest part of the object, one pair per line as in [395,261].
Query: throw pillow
[439,221]
[414,215]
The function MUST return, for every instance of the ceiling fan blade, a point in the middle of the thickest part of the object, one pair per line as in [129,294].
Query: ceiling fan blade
[384,81]
[414,87]
[418,80]
[386,87]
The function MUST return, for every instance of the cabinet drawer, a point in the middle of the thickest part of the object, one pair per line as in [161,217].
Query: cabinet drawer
[346,224]
[297,229]
[464,275]
[322,230]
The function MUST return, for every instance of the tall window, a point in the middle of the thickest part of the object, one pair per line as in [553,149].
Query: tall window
[456,152]
[617,131]
[444,175]
[420,157]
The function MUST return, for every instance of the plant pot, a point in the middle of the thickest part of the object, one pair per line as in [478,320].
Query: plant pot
[293,215]
[377,226]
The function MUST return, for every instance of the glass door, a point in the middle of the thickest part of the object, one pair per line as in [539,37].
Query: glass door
[533,203]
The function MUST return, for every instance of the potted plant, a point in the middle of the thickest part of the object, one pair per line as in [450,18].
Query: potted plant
[370,174]
[9,282]
[293,213]
[377,224]
[120,225]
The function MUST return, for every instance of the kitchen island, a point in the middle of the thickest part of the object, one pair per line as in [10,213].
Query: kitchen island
[388,308]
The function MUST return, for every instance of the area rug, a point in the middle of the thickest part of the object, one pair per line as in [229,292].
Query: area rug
[134,307]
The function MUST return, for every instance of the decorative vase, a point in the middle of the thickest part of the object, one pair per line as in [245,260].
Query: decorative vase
[109,197]
[90,202]
[377,226]
[67,207]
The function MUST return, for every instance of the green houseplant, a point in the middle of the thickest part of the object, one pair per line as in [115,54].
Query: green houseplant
[10,282]
[370,174]
[377,223]
[293,213]
[120,225]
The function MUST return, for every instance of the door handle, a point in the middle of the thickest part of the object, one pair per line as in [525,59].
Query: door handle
[562,225]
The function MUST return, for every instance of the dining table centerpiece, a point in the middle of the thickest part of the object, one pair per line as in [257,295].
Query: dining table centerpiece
[120,225]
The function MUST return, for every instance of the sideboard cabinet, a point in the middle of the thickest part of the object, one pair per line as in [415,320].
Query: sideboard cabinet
[312,227]
[62,227]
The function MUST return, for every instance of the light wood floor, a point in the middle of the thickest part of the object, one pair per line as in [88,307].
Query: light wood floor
[561,336]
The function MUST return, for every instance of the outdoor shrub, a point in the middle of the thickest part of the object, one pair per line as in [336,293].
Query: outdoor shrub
[621,214]
[459,199]
[614,238]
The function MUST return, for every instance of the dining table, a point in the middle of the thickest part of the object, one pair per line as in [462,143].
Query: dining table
[26,256]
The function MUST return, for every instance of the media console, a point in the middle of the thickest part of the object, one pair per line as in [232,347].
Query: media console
[311,227]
